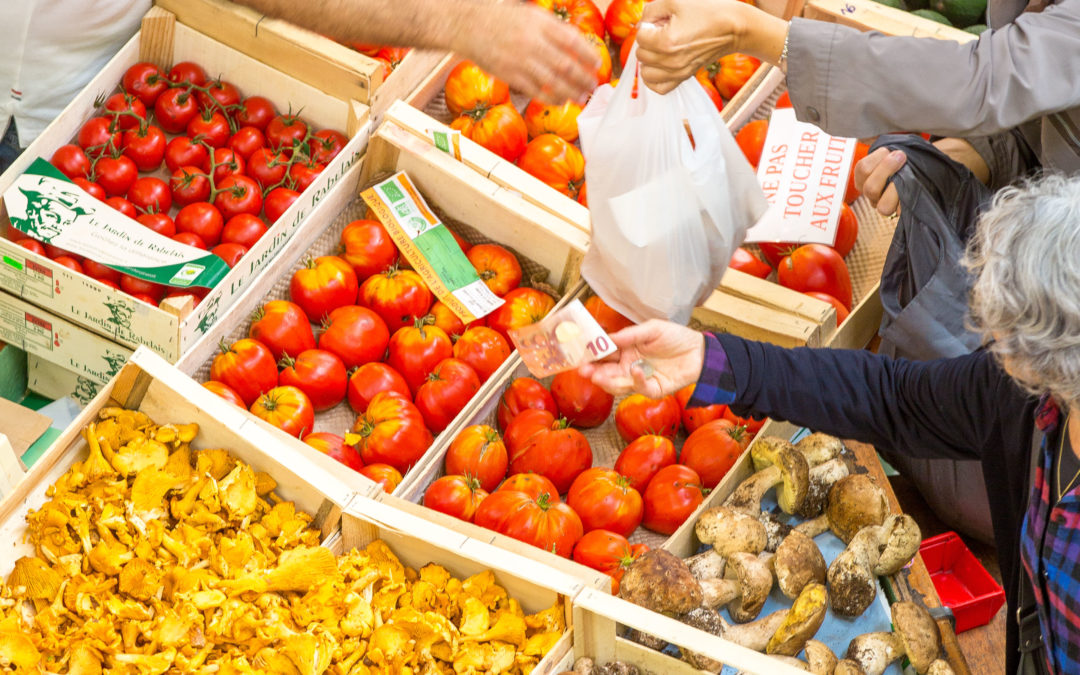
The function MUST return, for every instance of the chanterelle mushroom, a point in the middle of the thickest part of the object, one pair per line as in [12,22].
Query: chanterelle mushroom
[854,502]
[778,462]
[914,635]
[874,551]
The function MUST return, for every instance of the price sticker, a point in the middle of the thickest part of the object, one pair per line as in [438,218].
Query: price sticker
[563,340]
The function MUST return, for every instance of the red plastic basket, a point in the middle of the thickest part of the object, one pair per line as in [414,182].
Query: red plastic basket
[962,583]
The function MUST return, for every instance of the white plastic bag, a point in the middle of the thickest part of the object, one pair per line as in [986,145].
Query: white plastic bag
[666,214]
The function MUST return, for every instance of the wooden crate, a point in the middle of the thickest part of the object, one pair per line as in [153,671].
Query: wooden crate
[870,15]
[47,379]
[317,60]
[549,248]
[99,310]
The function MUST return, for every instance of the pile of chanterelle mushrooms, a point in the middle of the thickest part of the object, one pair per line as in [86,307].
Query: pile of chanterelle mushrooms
[752,550]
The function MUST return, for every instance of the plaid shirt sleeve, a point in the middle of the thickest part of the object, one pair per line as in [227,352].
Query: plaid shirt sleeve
[716,384]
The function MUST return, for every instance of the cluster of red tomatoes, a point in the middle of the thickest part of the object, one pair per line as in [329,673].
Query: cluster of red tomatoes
[388,57]
[511,483]
[542,141]
[405,363]
[814,269]
[232,166]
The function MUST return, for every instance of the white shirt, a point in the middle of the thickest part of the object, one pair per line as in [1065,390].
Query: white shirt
[51,49]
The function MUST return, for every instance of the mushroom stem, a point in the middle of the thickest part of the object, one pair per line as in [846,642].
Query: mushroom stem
[914,635]
[754,635]
[876,550]
[822,478]
[706,565]
[716,592]
[747,496]
[814,526]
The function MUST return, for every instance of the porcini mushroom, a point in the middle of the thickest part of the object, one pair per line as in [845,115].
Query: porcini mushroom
[798,562]
[914,635]
[730,530]
[801,623]
[848,667]
[853,502]
[661,582]
[754,635]
[822,478]
[820,659]
[777,463]
[744,588]
[940,667]
[874,551]
[819,448]
[706,565]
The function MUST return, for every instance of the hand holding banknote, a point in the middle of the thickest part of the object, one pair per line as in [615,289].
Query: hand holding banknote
[655,358]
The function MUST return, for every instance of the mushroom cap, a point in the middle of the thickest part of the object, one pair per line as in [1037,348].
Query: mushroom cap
[822,478]
[775,530]
[819,448]
[901,538]
[852,583]
[820,658]
[918,633]
[796,473]
[798,562]
[730,530]
[708,620]
[661,582]
[802,622]
[755,581]
[875,651]
[854,502]
[764,450]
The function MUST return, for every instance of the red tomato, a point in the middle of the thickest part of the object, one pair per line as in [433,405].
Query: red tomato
[748,263]
[203,219]
[610,320]
[32,245]
[356,334]
[127,111]
[784,101]
[322,285]
[145,147]
[851,194]
[468,88]
[145,81]
[532,484]
[847,231]
[732,72]
[702,77]
[226,392]
[149,194]
[144,297]
[283,327]
[303,174]
[247,367]
[712,450]
[448,389]
[256,111]
[100,272]
[609,553]
[98,136]
[815,267]
[478,451]
[752,424]
[93,189]
[415,350]
[392,432]
[539,443]
[368,248]
[582,14]
[115,175]
[239,194]
[483,349]
[841,311]
[447,320]
[751,140]
[523,307]
[158,222]
[498,267]
[383,474]
[278,202]
[624,50]
[182,152]
[68,262]
[605,501]
[326,144]
[694,418]
[546,524]
[465,246]
[286,408]
[603,55]
[211,127]
[638,415]
[458,496]
[225,163]
[371,378]
[643,458]
[334,446]
[498,128]
[622,17]
[72,161]
[580,401]
[399,296]
[319,374]
[190,239]
[524,393]
[394,55]
[673,494]
[268,167]
[230,253]
[246,141]
[555,162]
[285,132]
[187,72]
[123,206]
[561,120]
[174,109]
[219,95]
[244,229]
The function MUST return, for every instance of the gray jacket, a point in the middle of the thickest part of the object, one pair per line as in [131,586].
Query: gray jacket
[1000,91]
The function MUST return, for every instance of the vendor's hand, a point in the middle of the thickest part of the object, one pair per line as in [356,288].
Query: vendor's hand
[533,51]
[873,171]
[674,353]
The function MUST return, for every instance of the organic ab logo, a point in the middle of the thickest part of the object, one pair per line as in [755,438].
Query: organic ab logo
[85,390]
[121,315]
[49,210]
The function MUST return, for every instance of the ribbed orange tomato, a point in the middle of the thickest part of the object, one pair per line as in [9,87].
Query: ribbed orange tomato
[554,161]
[522,307]
[561,120]
[610,320]
[469,86]
[399,296]
[392,432]
[497,266]
[580,13]
[415,350]
[543,522]
[731,72]
[499,128]
[482,348]
[478,451]
[622,18]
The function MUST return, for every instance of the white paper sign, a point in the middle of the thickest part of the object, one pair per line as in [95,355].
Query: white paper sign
[803,172]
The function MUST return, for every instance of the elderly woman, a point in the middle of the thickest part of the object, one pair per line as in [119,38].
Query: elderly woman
[1008,404]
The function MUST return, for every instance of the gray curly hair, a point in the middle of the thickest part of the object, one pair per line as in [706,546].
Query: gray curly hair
[1025,259]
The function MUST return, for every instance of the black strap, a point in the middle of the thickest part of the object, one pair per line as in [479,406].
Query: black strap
[1030,645]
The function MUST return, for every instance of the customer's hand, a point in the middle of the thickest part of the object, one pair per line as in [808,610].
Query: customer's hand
[677,37]
[674,353]
[872,173]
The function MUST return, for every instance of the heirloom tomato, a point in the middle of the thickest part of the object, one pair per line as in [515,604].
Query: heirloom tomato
[399,296]
[582,14]
[609,553]
[752,424]
[672,495]
[244,229]
[322,285]
[283,327]
[847,231]
[319,374]
[532,484]
[499,128]
[816,267]
[643,457]
[624,50]
[555,162]
[522,307]
[368,248]
[371,378]
[622,17]
[610,320]
[415,350]
[561,120]
[539,443]
[226,392]
[784,101]
[445,392]
[751,140]
[498,267]
[545,523]
[603,57]
[247,367]
[286,408]
[638,415]
[748,263]
[605,501]
[71,160]
[469,87]
[483,349]
[447,320]
[731,72]
[334,446]
[256,111]
[580,401]
[391,431]
[478,451]
[457,496]
[841,311]
[712,450]
[702,77]
[524,393]
[385,475]
[146,81]
[202,219]
[356,334]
